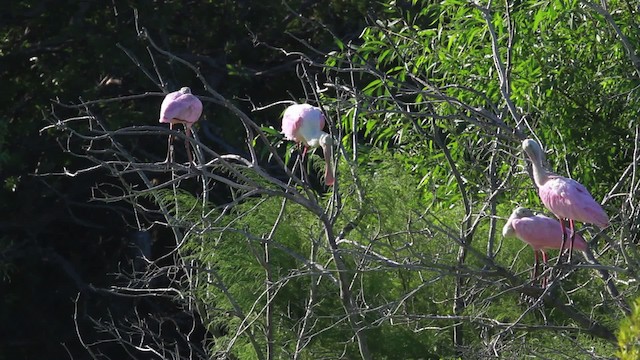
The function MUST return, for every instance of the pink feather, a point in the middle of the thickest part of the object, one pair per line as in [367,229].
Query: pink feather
[564,197]
[299,116]
[303,123]
[542,232]
[568,199]
[291,121]
[180,107]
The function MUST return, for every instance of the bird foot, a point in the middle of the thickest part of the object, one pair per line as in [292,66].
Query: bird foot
[542,280]
[530,301]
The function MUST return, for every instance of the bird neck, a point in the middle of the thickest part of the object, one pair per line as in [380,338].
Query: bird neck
[315,138]
[508,230]
[540,175]
[325,139]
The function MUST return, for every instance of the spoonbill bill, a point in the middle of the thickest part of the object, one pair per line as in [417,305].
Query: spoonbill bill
[180,107]
[566,198]
[303,124]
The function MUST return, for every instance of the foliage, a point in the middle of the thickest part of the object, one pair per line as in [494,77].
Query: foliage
[66,51]
[231,254]
[455,86]
[629,335]
[252,257]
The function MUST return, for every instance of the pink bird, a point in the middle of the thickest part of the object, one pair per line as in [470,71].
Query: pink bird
[566,198]
[540,232]
[303,123]
[180,107]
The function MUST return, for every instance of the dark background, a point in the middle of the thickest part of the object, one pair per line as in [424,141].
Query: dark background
[58,248]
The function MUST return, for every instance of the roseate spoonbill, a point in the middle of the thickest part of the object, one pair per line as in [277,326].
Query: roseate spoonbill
[180,107]
[303,123]
[566,198]
[541,233]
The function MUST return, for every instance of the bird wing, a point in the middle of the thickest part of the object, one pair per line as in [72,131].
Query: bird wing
[194,109]
[166,109]
[184,107]
[542,232]
[291,122]
[586,209]
[569,199]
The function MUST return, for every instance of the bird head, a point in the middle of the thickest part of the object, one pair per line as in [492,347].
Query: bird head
[517,213]
[325,140]
[533,149]
[521,212]
[185,90]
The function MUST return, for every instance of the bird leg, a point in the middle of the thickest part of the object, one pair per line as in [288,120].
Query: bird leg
[564,240]
[536,265]
[536,268]
[302,163]
[544,261]
[573,236]
[187,142]
[170,146]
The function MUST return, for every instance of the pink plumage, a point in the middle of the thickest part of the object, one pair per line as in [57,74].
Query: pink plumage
[303,124]
[569,199]
[564,197]
[301,119]
[180,107]
[539,231]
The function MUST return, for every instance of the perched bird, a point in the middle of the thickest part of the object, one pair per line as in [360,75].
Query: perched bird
[303,123]
[566,198]
[180,107]
[540,232]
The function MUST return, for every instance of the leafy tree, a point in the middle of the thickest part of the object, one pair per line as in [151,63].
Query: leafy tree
[54,238]
[403,256]
[628,335]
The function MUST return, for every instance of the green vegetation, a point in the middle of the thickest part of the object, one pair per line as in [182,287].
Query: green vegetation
[629,335]
[248,255]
